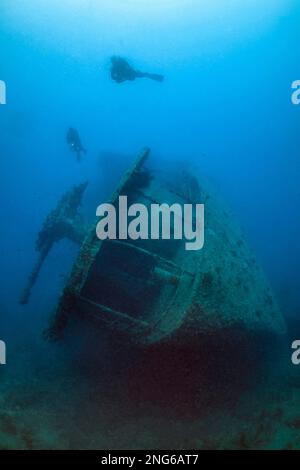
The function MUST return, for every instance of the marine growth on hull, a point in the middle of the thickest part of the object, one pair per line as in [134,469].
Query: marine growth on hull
[157,292]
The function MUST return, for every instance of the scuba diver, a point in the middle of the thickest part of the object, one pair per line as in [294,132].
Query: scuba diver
[74,143]
[121,71]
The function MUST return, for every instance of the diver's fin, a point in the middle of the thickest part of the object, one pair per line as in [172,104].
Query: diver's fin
[156,77]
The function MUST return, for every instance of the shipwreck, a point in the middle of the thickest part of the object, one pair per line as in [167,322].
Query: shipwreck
[152,292]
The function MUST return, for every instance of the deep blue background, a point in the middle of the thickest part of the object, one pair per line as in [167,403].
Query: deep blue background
[225,105]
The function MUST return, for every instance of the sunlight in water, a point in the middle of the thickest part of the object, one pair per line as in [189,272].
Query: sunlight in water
[146,7]
[79,26]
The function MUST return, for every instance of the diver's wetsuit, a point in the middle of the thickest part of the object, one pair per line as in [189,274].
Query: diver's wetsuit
[121,71]
[74,142]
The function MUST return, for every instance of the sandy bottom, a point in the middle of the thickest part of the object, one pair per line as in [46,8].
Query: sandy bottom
[65,402]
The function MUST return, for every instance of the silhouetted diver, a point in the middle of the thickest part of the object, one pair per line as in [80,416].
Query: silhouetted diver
[74,142]
[121,71]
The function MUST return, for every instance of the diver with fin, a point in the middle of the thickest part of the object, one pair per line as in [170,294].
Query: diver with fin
[121,71]
[74,143]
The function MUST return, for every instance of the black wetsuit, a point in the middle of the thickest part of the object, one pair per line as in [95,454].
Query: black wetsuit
[121,71]
[74,142]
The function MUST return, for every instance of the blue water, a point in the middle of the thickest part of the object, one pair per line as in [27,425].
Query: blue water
[225,105]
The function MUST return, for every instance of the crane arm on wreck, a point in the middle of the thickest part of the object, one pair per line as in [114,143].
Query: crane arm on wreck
[62,222]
